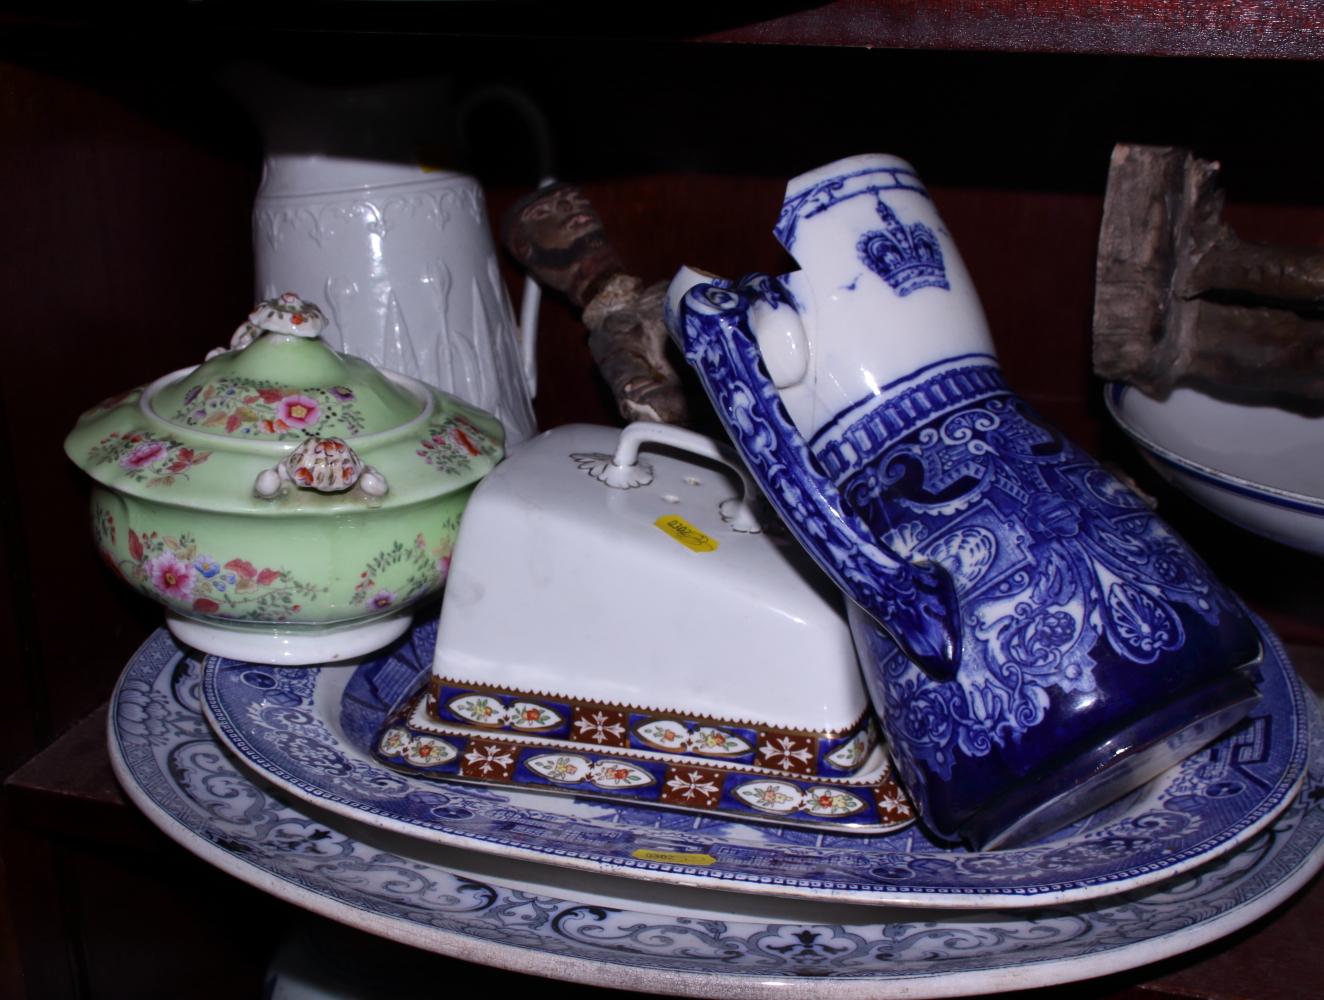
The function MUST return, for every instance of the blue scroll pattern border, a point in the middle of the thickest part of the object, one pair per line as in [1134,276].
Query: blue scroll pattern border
[1143,834]
[819,197]
[163,742]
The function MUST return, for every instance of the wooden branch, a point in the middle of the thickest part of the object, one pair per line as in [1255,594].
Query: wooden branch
[628,339]
[1167,269]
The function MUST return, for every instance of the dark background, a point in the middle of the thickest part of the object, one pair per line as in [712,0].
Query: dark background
[127,176]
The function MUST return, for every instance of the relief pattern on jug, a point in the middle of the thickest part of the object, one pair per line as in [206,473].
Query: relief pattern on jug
[410,282]
[323,221]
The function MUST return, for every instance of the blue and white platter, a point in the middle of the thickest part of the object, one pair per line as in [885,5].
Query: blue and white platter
[309,730]
[603,930]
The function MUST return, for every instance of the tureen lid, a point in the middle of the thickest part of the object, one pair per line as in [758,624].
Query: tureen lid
[280,382]
[281,425]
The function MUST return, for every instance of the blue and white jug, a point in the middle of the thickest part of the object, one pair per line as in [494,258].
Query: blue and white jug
[1036,640]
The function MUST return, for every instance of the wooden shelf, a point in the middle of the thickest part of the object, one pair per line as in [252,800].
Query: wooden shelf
[1221,28]
[1274,29]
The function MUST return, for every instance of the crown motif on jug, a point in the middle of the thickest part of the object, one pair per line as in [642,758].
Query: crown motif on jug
[906,257]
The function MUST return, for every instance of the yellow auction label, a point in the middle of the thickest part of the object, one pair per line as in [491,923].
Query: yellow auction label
[672,858]
[685,533]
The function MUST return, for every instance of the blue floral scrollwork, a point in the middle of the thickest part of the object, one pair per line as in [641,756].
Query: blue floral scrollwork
[914,601]
[952,513]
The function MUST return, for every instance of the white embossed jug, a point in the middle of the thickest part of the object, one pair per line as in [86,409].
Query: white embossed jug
[355,213]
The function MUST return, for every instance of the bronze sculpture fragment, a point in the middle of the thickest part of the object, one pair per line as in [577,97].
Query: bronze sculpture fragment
[557,234]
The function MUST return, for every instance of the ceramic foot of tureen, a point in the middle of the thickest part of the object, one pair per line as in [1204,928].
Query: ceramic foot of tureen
[286,503]
[285,647]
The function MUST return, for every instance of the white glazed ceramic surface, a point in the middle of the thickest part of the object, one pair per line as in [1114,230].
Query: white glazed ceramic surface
[407,274]
[861,331]
[646,936]
[309,731]
[354,214]
[286,649]
[1258,466]
[614,608]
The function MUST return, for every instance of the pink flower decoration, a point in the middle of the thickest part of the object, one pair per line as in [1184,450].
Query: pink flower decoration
[145,454]
[382,599]
[299,411]
[172,576]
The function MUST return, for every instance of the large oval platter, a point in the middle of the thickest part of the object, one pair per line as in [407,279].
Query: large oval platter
[308,731]
[602,930]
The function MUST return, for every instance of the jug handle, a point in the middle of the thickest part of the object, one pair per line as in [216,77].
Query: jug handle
[521,103]
[915,603]
[529,304]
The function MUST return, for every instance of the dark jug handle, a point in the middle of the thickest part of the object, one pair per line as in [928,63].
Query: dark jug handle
[914,603]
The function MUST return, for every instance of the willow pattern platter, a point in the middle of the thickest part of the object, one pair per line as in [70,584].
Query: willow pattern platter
[309,731]
[609,931]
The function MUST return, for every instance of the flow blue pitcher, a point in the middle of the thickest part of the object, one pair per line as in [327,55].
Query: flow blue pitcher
[1036,641]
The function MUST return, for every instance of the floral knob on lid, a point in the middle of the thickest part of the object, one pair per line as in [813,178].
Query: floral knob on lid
[325,464]
[286,314]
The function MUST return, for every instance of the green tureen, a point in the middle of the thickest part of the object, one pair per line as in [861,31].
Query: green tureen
[286,503]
